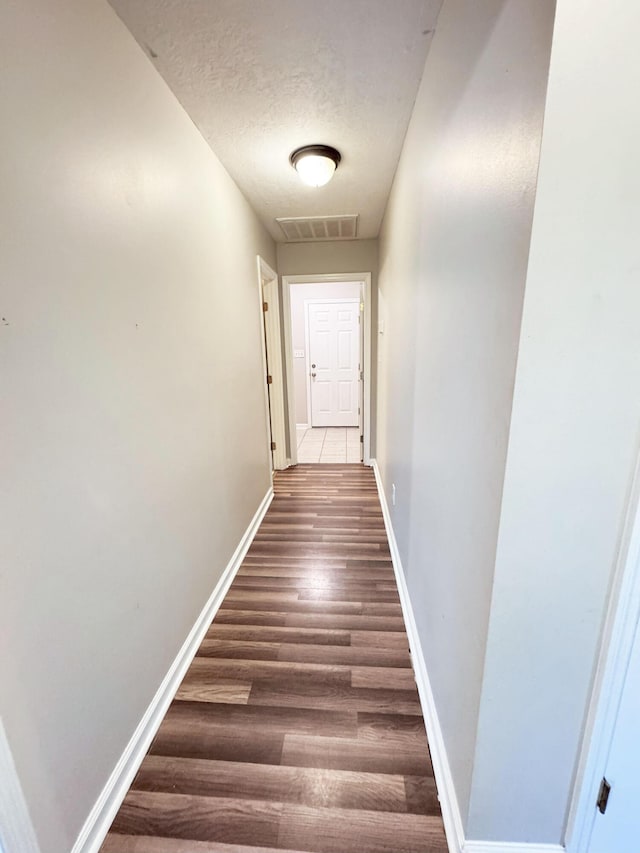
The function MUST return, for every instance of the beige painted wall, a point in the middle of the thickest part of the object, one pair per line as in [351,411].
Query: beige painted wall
[453,260]
[340,256]
[329,256]
[133,448]
[575,430]
[299,293]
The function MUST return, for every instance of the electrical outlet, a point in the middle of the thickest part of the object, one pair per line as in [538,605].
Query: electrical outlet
[393,494]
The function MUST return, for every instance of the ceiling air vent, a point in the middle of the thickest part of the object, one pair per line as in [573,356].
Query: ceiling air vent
[302,229]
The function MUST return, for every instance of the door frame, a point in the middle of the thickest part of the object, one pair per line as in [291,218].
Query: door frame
[288,280]
[270,336]
[351,300]
[621,618]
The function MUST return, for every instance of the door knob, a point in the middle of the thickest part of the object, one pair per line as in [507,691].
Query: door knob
[313,376]
[313,365]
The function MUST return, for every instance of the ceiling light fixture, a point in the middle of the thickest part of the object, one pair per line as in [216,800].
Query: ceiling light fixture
[315,164]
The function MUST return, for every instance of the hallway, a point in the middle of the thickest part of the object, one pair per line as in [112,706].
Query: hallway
[298,725]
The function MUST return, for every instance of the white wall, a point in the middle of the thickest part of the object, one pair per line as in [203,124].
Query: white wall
[299,293]
[453,260]
[574,433]
[133,427]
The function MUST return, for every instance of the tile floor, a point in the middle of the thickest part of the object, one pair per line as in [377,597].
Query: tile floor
[328,444]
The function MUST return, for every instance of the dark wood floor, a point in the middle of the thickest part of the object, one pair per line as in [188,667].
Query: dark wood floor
[298,725]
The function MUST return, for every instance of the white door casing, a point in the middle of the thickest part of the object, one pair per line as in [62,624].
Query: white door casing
[617,830]
[611,745]
[333,350]
[318,278]
[272,363]
[361,359]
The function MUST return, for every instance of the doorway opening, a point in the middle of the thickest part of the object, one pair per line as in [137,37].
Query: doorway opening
[327,322]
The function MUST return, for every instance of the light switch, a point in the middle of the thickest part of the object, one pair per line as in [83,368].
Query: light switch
[298,353]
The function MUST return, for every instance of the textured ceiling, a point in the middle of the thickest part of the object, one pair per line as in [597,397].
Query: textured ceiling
[262,77]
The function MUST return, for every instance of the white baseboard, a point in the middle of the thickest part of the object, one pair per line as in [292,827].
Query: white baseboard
[102,814]
[302,426]
[509,847]
[442,772]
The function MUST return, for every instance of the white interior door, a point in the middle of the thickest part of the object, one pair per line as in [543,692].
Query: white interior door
[333,334]
[617,830]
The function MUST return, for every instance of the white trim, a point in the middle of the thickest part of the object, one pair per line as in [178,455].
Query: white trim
[356,277]
[361,363]
[307,366]
[103,812]
[16,829]
[623,612]
[302,426]
[350,300]
[271,342]
[510,847]
[368,369]
[441,770]
[444,781]
[288,369]
[330,301]
[263,350]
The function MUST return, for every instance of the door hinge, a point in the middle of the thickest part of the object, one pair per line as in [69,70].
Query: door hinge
[269,379]
[265,306]
[361,439]
[361,375]
[273,445]
[603,796]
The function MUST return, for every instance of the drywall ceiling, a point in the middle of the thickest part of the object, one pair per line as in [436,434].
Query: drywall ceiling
[262,77]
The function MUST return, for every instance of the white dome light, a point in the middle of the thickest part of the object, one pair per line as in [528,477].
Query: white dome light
[315,170]
[315,164]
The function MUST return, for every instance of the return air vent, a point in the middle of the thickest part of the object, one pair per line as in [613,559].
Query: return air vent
[303,229]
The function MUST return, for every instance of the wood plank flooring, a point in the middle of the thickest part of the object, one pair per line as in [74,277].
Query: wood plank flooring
[297,727]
